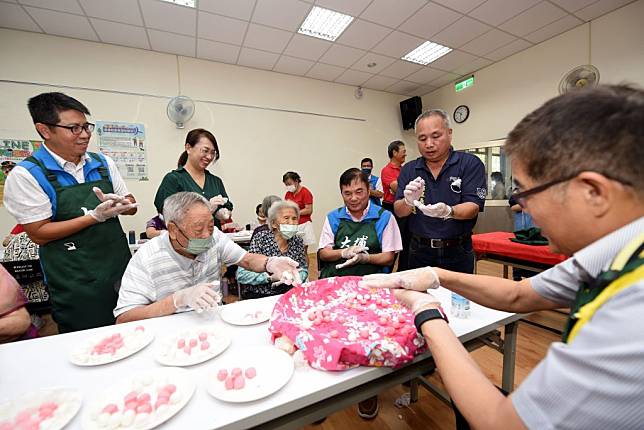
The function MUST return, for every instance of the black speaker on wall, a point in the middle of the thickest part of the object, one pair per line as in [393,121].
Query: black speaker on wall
[409,111]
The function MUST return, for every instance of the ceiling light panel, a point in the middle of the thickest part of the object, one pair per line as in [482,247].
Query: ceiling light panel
[426,53]
[325,24]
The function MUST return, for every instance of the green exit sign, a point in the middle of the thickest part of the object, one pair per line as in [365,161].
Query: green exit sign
[460,86]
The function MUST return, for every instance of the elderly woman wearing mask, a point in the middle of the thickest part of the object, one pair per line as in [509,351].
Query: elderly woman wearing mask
[278,240]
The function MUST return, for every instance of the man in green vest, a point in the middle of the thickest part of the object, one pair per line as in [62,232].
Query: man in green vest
[68,201]
[577,164]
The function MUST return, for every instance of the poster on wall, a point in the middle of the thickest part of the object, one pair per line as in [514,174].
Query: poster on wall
[125,143]
[13,151]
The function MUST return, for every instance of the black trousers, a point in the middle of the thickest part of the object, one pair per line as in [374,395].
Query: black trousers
[459,258]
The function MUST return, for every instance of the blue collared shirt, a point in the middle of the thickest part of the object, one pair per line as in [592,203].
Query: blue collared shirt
[462,179]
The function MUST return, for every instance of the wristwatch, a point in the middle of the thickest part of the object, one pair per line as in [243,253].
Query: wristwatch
[428,315]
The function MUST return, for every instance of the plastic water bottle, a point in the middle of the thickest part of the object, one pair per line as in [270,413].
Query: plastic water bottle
[460,306]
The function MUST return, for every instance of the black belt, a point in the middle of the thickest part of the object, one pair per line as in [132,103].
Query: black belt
[441,243]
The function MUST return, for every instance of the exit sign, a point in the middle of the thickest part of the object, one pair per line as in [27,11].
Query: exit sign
[460,86]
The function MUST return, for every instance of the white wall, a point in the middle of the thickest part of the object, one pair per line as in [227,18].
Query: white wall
[506,91]
[257,145]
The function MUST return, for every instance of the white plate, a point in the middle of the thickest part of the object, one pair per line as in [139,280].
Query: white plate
[69,402]
[247,312]
[134,340]
[146,382]
[274,369]
[168,353]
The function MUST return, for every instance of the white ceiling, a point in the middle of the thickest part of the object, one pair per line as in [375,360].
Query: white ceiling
[263,33]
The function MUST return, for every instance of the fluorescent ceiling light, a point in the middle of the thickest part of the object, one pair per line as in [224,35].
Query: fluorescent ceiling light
[189,3]
[426,53]
[325,24]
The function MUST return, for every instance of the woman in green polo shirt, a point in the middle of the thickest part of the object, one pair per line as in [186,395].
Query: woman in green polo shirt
[192,175]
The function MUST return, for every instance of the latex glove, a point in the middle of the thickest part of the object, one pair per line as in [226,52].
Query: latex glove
[109,209]
[417,301]
[438,210]
[414,190]
[222,214]
[361,258]
[283,270]
[217,201]
[200,297]
[420,279]
[110,196]
[354,250]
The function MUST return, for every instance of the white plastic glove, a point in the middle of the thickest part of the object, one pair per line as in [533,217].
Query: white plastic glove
[420,279]
[110,196]
[222,214]
[283,271]
[217,201]
[200,297]
[360,258]
[109,209]
[417,301]
[438,210]
[354,250]
[414,190]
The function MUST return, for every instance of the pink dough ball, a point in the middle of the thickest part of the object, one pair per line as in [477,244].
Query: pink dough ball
[161,401]
[203,336]
[204,345]
[170,388]
[139,328]
[193,343]
[181,343]
[250,373]
[389,331]
[110,409]
[333,333]
[326,313]
[222,374]
[239,382]
[364,334]
[187,350]
[311,316]
[395,324]
[144,398]
[236,371]
[131,405]
[341,319]
[230,383]
[382,321]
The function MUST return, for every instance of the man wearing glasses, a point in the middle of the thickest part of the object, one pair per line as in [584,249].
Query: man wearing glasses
[577,161]
[68,201]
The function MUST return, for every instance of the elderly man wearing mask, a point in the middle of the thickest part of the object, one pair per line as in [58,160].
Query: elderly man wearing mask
[181,269]
[278,240]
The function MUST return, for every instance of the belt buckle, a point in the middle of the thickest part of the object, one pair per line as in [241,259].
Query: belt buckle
[437,241]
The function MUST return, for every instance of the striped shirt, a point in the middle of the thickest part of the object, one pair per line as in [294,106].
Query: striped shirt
[597,381]
[157,270]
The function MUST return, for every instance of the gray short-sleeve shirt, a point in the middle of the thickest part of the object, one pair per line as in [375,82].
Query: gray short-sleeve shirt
[596,381]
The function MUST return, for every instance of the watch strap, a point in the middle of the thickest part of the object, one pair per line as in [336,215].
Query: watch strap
[428,315]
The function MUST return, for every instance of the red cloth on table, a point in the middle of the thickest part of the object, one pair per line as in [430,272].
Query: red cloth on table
[353,333]
[499,243]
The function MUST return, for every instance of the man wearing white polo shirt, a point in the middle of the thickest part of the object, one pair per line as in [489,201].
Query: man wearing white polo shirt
[181,269]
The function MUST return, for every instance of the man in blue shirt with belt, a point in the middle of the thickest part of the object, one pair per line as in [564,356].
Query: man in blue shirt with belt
[441,193]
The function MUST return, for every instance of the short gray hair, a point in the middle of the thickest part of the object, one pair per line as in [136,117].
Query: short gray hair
[176,206]
[434,112]
[277,207]
[268,202]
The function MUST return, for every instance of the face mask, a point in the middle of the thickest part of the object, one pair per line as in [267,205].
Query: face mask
[366,171]
[197,246]
[290,188]
[288,230]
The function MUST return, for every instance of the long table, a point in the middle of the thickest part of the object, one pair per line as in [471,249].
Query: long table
[309,395]
[498,248]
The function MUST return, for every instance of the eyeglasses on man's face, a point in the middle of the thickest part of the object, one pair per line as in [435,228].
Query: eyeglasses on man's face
[76,129]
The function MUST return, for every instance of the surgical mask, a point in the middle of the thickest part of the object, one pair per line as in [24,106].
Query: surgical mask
[290,188]
[366,171]
[197,246]
[288,230]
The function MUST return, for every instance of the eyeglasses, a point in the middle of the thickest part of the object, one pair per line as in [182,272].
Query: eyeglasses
[75,129]
[206,152]
[521,196]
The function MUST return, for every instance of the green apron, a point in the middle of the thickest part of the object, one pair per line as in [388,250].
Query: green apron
[351,233]
[625,270]
[83,270]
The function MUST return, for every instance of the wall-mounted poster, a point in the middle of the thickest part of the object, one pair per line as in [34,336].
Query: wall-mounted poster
[13,151]
[125,143]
